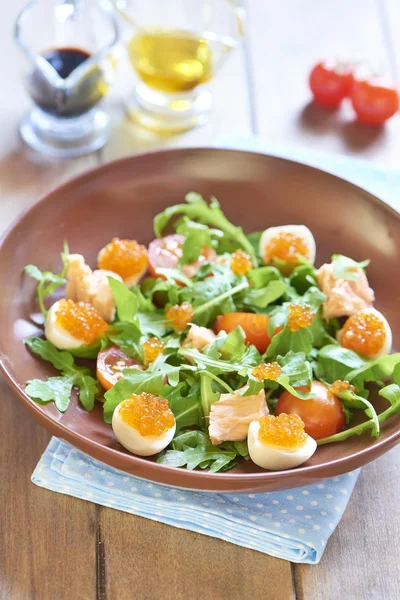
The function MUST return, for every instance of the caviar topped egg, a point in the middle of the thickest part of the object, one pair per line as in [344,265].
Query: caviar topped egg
[277,443]
[144,424]
[287,244]
[72,324]
[367,332]
[127,258]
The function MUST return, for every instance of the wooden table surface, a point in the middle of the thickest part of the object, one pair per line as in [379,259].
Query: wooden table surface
[54,547]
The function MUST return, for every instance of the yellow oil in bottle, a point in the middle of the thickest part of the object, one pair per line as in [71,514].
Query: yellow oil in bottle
[171,61]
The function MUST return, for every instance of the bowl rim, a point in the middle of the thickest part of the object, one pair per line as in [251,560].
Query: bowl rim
[57,428]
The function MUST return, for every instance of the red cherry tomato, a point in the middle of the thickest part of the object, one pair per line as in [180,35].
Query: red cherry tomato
[330,82]
[254,326]
[110,363]
[166,252]
[322,416]
[374,101]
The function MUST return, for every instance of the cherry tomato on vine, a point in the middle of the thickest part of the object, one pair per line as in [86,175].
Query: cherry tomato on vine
[330,82]
[374,100]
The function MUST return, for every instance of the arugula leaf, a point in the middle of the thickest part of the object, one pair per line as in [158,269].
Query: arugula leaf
[219,292]
[152,323]
[58,389]
[346,268]
[297,368]
[376,370]
[185,403]
[206,214]
[262,297]
[55,389]
[303,277]
[286,340]
[126,301]
[234,344]
[207,394]
[128,337]
[261,277]
[391,393]
[90,350]
[197,236]
[339,363]
[174,276]
[284,381]
[160,291]
[48,282]
[352,400]
[193,449]
[144,304]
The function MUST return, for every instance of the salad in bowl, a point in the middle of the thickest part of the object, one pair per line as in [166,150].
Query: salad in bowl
[212,346]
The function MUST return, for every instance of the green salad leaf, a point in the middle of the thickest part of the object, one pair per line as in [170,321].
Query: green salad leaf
[206,214]
[336,362]
[126,301]
[197,236]
[287,340]
[193,449]
[48,282]
[58,389]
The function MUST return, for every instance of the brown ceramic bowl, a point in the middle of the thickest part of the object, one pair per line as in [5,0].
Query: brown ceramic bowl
[120,199]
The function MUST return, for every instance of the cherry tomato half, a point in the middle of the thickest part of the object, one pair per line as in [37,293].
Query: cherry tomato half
[330,82]
[322,415]
[374,101]
[110,363]
[255,327]
[166,252]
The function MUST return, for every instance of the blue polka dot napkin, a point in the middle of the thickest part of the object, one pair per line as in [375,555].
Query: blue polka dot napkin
[294,525]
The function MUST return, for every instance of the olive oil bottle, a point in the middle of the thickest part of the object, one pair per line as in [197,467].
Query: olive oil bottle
[174,61]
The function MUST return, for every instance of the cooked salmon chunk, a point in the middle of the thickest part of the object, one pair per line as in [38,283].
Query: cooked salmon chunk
[343,297]
[232,414]
[199,337]
[85,285]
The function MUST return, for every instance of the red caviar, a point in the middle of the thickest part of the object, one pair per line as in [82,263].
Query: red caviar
[152,348]
[339,386]
[81,320]
[286,246]
[299,317]
[241,262]
[267,371]
[284,431]
[180,315]
[147,413]
[124,257]
[364,332]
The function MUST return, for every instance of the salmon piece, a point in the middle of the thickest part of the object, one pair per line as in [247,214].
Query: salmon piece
[343,297]
[232,414]
[199,337]
[85,285]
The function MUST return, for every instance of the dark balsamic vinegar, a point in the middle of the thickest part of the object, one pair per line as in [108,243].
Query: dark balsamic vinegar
[70,102]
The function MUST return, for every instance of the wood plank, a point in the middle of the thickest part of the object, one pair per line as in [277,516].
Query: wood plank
[48,540]
[287,38]
[361,559]
[160,561]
